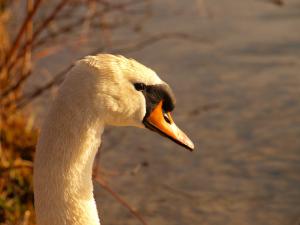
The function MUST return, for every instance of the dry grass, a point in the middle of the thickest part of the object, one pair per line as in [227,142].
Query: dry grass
[18,139]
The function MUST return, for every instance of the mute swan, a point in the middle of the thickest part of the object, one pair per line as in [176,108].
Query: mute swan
[99,90]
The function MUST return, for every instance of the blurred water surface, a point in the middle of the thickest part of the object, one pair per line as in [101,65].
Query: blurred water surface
[238,95]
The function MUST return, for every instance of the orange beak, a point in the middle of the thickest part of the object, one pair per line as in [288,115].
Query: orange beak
[163,124]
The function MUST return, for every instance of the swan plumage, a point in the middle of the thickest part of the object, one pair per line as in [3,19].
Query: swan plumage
[99,90]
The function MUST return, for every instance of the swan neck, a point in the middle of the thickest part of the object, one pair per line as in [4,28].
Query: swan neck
[63,168]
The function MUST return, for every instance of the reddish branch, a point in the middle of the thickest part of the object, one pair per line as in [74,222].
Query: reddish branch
[33,42]
[134,212]
[16,85]
[38,31]
[57,79]
[22,30]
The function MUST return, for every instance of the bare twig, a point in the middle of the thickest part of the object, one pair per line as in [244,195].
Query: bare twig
[50,18]
[96,171]
[57,79]
[133,211]
[29,30]
[16,85]
[40,28]
[24,52]
[26,70]
[67,28]
[21,32]
[154,39]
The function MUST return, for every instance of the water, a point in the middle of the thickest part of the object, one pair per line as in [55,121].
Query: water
[238,94]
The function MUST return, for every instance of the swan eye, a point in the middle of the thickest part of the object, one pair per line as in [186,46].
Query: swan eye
[166,117]
[139,86]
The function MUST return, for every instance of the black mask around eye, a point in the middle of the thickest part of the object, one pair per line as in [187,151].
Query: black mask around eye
[156,93]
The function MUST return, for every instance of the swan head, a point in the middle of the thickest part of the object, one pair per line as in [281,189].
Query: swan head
[124,92]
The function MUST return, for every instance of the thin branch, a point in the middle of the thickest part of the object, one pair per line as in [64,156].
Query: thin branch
[57,79]
[28,44]
[28,36]
[38,31]
[104,185]
[108,8]
[50,18]
[26,70]
[154,39]
[62,30]
[21,32]
[134,212]
[16,85]
[41,54]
